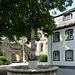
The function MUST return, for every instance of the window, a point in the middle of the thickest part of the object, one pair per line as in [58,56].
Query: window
[69,55]
[41,47]
[23,41]
[67,16]
[56,37]
[35,46]
[70,34]
[56,56]
[40,35]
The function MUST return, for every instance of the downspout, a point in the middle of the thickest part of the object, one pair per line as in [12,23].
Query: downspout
[50,50]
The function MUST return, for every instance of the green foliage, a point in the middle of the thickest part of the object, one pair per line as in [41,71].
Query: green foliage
[1,62]
[4,61]
[43,57]
[18,17]
[2,58]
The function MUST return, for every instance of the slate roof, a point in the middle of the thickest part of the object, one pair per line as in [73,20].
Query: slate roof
[65,24]
[71,10]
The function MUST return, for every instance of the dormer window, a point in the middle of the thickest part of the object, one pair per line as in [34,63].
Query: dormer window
[40,35]
[67,16]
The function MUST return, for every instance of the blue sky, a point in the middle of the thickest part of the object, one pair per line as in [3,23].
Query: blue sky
[68,8]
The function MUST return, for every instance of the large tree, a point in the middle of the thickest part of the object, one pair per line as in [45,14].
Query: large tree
[21,17]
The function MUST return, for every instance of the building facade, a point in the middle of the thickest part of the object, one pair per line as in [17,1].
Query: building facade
[40,46]
[18,52]
[61,45]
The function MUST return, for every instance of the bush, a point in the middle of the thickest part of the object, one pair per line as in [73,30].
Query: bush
[1,62]
[2,58]
[43,57]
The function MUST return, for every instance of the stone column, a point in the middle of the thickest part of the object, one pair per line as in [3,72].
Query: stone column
[32,58]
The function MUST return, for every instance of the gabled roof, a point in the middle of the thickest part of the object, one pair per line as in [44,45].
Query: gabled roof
[65,24]
[69,11]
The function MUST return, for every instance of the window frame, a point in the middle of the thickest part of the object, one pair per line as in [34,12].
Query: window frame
[36,47]
[70,14]
[23,41]
[69,31]
[69,56]
[54,55]
[54,37]
[41,47]
[40,35]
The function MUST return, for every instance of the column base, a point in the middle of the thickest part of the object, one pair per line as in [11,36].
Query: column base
[33,64]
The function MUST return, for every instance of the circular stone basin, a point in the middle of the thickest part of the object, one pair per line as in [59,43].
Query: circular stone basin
[24,70]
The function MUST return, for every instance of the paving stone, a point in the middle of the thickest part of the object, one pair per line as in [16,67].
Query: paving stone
[63,71]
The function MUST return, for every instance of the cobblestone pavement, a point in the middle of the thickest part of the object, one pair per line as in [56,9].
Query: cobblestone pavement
[62,71]
[3,70]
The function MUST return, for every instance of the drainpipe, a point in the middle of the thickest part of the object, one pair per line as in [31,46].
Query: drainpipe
[50,50]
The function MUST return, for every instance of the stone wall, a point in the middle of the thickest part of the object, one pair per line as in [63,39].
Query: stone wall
[15,52]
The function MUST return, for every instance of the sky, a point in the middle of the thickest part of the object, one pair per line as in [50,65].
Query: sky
[68,8]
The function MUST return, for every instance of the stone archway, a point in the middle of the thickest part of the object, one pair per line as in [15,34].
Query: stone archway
[16,57]
[17,53]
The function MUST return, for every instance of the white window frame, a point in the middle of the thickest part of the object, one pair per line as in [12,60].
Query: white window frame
[70,34]
[23,41]
[40,35]
[67,16]
[56,37]
[56,56]
[69,55]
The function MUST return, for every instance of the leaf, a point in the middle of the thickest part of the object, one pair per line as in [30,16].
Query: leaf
[0,1]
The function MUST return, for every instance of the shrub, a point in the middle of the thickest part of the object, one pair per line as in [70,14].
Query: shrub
[2,58]
[43,57]
[1,62]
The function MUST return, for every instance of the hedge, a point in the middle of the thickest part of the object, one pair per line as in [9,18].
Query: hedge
[43,58]
[4,61]
[2,58]
[1,62]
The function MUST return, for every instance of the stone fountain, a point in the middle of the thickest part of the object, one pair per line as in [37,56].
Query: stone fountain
[24,70]
[32,68]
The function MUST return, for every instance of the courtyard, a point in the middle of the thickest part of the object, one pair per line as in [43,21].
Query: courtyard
[61,71]
[64,71]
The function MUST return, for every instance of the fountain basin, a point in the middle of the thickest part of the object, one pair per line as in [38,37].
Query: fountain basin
[24,70]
